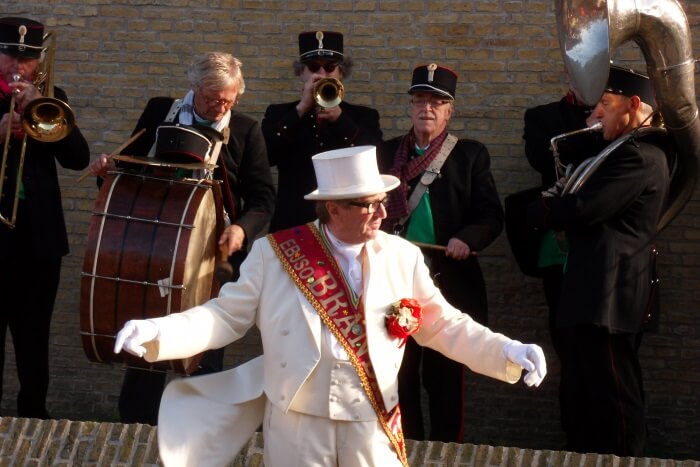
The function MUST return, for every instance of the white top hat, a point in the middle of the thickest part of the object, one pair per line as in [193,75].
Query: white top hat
[349,173]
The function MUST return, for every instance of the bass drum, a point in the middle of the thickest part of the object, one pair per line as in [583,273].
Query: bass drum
[151,251]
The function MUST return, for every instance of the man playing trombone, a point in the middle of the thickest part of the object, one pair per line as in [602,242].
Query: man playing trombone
[33,236]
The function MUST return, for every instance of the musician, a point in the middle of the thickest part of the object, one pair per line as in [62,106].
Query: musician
[216,85]
[541,124]
[31,252]
[327,381]
[460,210]
[610,223]
[295,131]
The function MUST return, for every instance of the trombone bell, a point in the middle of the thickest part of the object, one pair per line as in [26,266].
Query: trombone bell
[48,119]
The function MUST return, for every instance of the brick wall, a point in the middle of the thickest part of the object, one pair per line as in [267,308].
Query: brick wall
[113,56]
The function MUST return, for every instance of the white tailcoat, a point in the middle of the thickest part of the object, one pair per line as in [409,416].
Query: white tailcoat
[291,335]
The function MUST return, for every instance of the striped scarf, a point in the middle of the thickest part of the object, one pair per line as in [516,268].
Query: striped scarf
[406,169]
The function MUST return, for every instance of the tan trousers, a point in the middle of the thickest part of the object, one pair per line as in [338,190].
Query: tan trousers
[299,440]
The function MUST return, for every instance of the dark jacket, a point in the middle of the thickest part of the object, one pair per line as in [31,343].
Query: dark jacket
[543,122]
[40,214]
[465,204]
[293,140]
[249,193]
[610,224]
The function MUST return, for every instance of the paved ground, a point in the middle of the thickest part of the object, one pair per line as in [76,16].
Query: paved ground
[30,442]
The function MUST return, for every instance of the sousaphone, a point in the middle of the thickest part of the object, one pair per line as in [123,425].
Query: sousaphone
[589,33]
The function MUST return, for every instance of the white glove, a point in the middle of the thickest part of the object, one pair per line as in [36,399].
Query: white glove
[134,334]
[530,357]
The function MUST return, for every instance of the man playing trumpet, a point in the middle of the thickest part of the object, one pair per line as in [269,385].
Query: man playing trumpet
[31,247]
[295,131]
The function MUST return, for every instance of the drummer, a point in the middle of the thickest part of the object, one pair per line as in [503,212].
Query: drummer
[216,85]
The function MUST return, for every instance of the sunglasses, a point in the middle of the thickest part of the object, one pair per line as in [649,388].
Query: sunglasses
[372,206]
[315,66]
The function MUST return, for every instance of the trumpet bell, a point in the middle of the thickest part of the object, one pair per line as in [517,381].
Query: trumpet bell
[48,119]
[328,92]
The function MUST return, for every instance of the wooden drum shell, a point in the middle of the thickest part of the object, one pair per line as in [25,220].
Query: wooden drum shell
[151,251]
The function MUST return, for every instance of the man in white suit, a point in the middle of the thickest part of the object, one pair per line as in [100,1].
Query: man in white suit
[325,297]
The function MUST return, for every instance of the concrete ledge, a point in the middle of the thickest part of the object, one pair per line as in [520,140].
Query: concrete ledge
[31,442]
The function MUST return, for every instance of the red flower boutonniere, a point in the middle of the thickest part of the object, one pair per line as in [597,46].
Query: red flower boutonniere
[404,318]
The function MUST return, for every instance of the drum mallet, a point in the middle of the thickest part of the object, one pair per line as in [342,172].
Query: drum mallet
[223,271]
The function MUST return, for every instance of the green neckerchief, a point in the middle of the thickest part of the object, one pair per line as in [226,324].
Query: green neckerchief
[550,252]
[420,225]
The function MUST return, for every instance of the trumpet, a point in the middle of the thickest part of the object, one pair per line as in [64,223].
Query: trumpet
[45,119]
[328,92]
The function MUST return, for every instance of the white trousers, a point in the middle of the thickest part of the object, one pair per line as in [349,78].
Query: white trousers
[299,440]
[195,430]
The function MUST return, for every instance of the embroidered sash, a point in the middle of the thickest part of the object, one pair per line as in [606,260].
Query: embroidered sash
[305,255]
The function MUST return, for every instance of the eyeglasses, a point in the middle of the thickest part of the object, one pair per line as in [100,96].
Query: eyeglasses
[315,66]
[371,206]
[210,102]
[434,103]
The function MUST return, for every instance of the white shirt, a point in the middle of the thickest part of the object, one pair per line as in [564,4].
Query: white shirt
[350,262]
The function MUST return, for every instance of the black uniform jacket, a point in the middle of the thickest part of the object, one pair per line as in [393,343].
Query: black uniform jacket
[293,140]
[465,204]
[40,214]
[610,224]
[249,192]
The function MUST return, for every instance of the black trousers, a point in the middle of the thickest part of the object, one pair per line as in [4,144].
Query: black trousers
[443,380]
[28,287]
[602,391]
[552,277]
[141,391]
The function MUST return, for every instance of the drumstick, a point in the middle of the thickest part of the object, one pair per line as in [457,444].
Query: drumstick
[429,246]
[117,151]
[436,247]
[223,271]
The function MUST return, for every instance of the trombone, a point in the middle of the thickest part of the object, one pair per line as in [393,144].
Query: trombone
[45,119]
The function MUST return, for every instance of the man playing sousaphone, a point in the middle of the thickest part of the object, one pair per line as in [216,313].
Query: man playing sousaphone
[31,251]
[610,224]
[216,85]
